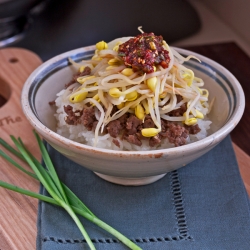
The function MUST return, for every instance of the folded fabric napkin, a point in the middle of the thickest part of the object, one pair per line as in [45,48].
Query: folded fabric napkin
[203,205]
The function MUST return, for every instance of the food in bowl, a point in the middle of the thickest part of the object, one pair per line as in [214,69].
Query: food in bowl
[130,167]
[134,94]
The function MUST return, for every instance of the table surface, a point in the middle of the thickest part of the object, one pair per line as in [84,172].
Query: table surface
[18,223]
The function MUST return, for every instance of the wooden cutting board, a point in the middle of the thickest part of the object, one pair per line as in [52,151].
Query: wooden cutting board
[18,213]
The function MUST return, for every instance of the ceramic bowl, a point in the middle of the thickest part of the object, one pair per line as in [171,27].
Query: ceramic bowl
[130,167]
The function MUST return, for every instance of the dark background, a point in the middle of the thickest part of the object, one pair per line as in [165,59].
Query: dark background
[65,25]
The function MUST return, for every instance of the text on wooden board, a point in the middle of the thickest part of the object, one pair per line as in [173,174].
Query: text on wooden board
[9,120]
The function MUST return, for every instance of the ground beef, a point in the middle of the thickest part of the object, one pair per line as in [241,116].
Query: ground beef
[175,133]
[180,111]
[86,71]
[193,129]
[148,122]
[52,103]
[132,124]
[73,117]
[154,141]
[133,139]
[179,98]
[116,142]
[88,118]
[128,127]
[114,128]
[123,120]
[164,126]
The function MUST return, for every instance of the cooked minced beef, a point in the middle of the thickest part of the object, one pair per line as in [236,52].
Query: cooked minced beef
[128,127]
[133,124]
[114,128]
[86,71]
[193,129]
[148,122]
[154,141]
[133,139]
[52,103]
[179,112]
[116,142]
[73,117]
[88,118]
[175,133]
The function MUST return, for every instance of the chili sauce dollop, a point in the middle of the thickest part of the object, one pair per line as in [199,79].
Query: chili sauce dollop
[143,52]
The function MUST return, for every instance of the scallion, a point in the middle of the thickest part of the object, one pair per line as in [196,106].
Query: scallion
[61,195]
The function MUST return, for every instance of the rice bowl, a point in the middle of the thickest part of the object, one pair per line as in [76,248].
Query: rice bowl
[130,167]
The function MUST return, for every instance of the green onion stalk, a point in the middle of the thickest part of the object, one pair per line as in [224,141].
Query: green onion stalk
[60,194]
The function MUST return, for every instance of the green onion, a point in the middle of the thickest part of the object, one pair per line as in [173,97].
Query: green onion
[61,195]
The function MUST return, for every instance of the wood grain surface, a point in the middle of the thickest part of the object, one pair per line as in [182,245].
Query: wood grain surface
[18,213]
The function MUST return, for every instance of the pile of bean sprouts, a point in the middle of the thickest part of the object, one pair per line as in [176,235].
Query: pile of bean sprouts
[109,85]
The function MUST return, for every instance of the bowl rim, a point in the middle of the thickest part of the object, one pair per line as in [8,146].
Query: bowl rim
[214,138]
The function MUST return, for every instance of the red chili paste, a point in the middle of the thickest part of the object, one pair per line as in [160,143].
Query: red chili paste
[143,52]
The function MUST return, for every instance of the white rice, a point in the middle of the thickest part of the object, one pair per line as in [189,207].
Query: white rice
[80,134]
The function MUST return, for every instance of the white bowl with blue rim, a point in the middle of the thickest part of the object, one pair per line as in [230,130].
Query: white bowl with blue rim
[131,167]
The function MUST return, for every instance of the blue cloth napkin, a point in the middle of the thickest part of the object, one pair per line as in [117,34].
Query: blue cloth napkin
[203,205]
